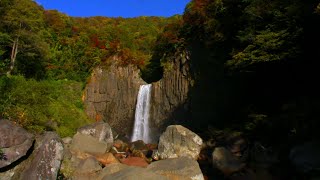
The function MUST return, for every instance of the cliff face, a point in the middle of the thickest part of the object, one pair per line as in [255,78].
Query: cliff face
[111,94]
[169,96]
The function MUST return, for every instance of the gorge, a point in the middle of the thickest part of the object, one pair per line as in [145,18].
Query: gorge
[240,74]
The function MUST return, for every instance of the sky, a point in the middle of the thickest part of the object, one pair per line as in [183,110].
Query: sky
[116,8]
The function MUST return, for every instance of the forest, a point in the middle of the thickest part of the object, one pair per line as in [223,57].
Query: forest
[254,64]
[46,58]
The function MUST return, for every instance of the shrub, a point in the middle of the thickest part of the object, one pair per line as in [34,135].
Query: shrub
[43,105]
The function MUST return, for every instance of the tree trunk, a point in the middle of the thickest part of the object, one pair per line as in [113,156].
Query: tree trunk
[14,53]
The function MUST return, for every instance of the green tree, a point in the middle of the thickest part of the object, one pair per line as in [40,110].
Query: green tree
[24,23]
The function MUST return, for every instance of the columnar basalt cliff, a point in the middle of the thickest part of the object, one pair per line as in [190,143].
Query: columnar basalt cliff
[170,95]
[111,94]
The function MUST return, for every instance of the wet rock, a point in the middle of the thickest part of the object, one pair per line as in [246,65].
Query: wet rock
[138,145]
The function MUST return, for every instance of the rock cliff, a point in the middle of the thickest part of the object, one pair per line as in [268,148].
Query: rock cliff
[110,95]
[169,96]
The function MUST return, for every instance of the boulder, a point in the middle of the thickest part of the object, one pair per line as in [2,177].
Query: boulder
[181,168]
[87,144]
[87,169]
[120,145]
[99,130]
[225,161]
[178,141]
[134,173]
[138,145]
[106,159]
[110,169]
[14,142]
[93,139]
[306,157]
[67,140]
[134,161]
[47,158]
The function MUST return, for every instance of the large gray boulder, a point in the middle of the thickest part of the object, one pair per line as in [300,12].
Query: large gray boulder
[182,168]
[178,141]
[99,130]
[96,138]
[110,169]
[14,142]
[87,169]
[46,160]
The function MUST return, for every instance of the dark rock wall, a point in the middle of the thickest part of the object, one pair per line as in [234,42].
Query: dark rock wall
[170,95]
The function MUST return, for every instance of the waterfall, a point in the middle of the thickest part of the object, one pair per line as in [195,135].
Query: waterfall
[141,122]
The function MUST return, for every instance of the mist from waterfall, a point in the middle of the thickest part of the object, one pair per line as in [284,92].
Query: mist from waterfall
[141,123]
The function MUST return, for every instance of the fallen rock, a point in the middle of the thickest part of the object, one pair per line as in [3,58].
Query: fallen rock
[138,145]
[134,161]
[46,158]
[99,130]
[120,146]
[181,168]
[82,143]
[93,139]
[178,141]
[87,169]
[134,173]
[106,159]
[14,142]
[67,140]
[110,169]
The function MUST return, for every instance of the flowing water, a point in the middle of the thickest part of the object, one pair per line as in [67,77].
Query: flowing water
[141,123]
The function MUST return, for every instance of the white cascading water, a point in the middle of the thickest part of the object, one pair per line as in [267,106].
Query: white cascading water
[141,122]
